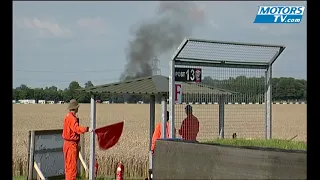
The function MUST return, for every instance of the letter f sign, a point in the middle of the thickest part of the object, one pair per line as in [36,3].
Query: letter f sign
[178,93]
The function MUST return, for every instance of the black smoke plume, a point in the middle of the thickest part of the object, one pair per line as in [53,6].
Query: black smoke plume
[173,22]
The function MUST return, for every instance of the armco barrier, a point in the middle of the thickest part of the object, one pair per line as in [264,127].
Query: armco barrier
[175,159]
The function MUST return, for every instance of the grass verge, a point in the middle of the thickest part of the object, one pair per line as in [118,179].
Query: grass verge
[19,178]
[271,143]
[134,166]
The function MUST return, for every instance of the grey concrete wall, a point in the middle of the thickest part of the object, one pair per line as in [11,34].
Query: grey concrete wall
[183,160]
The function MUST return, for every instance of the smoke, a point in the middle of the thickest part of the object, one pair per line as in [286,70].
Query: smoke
[173,22]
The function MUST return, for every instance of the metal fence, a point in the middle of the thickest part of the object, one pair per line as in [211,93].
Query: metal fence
[233,89]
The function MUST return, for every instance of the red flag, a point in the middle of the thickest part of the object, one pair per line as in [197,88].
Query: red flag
[108,136]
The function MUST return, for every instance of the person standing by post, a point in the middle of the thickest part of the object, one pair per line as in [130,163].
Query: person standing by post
[190,126]
[157,135]
[71,135]
[157,132]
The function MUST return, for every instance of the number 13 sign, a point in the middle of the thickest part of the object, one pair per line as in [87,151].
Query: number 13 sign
[188,74]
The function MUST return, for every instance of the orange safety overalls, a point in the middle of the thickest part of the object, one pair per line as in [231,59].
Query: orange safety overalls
[157,134]
[71,135]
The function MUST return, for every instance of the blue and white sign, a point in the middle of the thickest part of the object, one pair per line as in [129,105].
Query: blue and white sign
[279,14]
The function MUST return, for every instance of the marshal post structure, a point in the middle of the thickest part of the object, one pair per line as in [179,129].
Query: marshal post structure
[223,66]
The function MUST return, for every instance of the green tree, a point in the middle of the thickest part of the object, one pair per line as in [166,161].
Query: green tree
[66,95]
[72,90]
[251,89]
[39,94]
[88,84]
[84,97]
[22,91]
[15,94]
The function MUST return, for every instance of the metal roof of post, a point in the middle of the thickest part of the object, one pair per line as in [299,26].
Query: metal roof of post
[146,85]
[210,53]
[153,85]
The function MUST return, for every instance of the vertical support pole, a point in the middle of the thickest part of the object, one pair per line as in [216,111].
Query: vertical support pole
[29,140]
[82,151]
[268,103]
[221,116]
[172,97]
[31,156]
[265,104]
[152,118]
[152,126]
[172,88]
[164,117]
[92,139]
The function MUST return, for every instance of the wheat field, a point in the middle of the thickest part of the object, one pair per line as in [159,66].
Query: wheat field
[247,121]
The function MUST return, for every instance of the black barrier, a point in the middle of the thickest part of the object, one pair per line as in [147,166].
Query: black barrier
[185,160]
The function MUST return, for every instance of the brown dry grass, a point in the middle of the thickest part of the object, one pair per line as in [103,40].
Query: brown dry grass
[246,120]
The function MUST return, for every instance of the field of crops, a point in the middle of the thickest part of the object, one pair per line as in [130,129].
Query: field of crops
[247,121]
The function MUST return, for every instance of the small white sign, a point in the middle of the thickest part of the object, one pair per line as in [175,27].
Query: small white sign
[178,92]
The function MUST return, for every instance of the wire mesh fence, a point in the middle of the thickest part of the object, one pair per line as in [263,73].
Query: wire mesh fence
[243,96]
[228,52]
[233,94]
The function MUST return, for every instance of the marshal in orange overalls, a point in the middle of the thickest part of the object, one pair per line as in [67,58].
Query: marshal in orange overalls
[157,132]
[71,135]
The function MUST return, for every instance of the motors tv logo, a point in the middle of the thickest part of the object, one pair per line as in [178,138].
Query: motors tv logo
[279,14]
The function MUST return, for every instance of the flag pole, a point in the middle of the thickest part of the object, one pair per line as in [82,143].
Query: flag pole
[92,139]
[164,116]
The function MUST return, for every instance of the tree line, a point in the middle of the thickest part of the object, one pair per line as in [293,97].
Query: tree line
[248,89]
[252,89]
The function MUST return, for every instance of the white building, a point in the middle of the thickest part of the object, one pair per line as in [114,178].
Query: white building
[27,101]
[23,101]
[41,101]
[50,102]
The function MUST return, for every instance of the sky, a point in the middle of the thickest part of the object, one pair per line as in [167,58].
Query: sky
[55,43]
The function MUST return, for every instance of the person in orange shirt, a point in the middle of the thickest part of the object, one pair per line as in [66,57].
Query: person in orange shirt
[71,135]
[157,133]
[190,126]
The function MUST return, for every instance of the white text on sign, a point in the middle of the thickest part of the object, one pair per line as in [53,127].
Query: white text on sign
[178,93]
[279,14]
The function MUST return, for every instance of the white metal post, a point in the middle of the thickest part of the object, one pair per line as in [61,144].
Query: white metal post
[31,155]
[172,97]
[268,103]
[164,116]
[152,126]
[92,139]
[172,87]
[152,119]
[221,116]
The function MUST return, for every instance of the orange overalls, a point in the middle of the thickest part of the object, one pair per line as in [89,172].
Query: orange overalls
[189,128]
[157,134]
[71,135]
